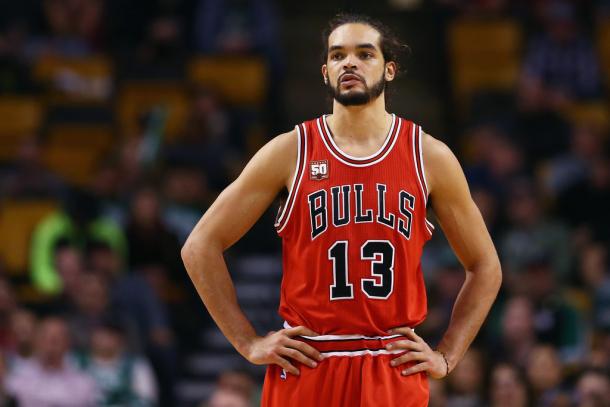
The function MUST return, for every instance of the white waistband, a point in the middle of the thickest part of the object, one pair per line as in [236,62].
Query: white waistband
[342,337]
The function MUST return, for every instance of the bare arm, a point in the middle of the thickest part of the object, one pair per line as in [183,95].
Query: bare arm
[233,213]
[467,234]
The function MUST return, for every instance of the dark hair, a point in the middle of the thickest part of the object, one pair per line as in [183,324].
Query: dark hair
[391,46]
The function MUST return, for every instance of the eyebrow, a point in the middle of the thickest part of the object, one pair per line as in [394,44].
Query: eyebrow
[367,45]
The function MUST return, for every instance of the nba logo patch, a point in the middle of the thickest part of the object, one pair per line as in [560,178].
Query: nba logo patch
[283,374]
[318,170]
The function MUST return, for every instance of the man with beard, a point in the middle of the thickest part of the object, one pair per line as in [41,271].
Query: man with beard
[353,228]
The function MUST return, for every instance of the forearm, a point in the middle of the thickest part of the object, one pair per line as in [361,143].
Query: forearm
[469,311]
[207,269]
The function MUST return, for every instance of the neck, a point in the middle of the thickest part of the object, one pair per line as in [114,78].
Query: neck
[362,121]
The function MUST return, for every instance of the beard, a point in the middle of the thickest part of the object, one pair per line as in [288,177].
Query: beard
[357,98]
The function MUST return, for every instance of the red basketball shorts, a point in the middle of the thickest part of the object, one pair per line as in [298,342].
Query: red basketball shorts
[355,372]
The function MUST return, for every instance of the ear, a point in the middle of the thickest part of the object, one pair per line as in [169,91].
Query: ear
[324,73]
[390,71]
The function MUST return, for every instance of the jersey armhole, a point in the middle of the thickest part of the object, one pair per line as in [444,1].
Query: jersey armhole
[418,159]
[285,210]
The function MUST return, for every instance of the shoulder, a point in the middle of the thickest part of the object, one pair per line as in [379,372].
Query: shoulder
[284,143]
[279,152]
[273,163]
[440,162]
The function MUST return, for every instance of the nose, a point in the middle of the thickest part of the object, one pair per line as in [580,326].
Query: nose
[349,63]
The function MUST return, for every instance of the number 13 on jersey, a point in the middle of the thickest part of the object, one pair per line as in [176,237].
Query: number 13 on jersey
[381,255]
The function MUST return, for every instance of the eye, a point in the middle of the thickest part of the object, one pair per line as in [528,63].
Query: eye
[366,55]
[336,56]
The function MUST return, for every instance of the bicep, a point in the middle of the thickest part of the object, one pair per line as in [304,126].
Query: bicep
[456,211]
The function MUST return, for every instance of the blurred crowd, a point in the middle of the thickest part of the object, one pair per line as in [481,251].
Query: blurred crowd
[103,312]
[539,170]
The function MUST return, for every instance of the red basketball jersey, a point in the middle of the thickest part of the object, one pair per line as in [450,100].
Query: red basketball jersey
[353,230]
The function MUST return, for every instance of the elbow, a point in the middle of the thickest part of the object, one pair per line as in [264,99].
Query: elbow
[490,273]
[187,254]
[496,274]
[191,250]
[197,249]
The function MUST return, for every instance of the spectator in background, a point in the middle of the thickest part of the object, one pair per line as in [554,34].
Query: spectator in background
[595,274]
[51,380]
[69,264]
[24,325]
[236,27]
[6,400]
[592,389]
[599,356]
[130,294]
[90,306]
[8,305]
[517,336]
[106,186]
[78,224]
[574,167]
[446,282]
[134,298]
[585,204]
[495,159]
[186,193]
[123,379]
[466,381]
[560,65]
[162,51]
[545,374]
[151,243]
[508,387]
[27,176]
[555,319]
[532,235]
[245,28]
[74,29]
[206,142]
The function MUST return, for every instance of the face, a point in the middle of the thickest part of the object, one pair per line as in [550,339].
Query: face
[518,321]
[592,389]
[544,368]
[468,375]
[507,389]
[92,295]
[355,71]
[106,344]
[52,341]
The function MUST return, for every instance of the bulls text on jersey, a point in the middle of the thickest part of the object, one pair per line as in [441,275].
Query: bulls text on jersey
[341,212]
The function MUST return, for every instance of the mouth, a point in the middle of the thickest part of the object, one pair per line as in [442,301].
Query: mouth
[350,80]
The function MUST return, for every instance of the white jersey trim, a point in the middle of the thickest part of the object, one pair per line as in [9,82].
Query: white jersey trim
[421,180]
[361,353]
[322,338]
[296,182]
[388,139]
[423,167]
[414,150]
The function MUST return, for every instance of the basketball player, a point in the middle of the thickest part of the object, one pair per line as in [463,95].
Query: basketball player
[353,227]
